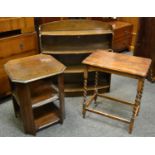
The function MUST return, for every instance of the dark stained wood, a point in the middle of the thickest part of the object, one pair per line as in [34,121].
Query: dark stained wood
[43,92]
[79,45]
[145,43]
[119,62]
[33,91]
[46,115]
[24,98]
[61,96]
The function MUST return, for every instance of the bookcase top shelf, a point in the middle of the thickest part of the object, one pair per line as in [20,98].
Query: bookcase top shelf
[75,27]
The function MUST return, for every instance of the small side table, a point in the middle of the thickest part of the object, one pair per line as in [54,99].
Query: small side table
[121,64]
[33,92]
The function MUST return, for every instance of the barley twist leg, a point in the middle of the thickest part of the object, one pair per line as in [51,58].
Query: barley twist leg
[96,90]
[85,91]
[137,103]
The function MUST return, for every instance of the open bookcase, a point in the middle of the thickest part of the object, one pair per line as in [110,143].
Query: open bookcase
[70,42]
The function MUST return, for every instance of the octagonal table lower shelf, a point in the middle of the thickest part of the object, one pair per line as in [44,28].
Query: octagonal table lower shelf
[46,115]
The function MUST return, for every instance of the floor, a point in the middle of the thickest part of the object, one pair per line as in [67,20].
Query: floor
[93,125]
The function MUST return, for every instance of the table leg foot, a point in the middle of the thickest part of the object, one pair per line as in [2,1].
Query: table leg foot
[131,125]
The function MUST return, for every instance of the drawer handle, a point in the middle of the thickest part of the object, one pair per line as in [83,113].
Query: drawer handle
[21,45]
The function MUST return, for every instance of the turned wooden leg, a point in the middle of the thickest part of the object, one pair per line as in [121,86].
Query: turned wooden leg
[61,96]
[150,75]
[85,91]
[96,90]
[137,103]
[141,91]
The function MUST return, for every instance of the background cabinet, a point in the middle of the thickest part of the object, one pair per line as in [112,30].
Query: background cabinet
[123,31]
[122,35]
[17,39]
[70,41]
[145,45]
[135,22]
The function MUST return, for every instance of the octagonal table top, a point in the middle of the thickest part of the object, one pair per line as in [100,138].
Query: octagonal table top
[32,68]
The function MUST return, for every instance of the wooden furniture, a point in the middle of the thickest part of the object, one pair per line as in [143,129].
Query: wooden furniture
[123,32]
[43,20]
[23,24]
[120,64]
[17,39]
[145,44]
[122,35]
[70,41]
[33,94]
[135,22]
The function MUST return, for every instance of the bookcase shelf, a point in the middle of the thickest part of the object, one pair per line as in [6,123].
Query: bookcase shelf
[75,69]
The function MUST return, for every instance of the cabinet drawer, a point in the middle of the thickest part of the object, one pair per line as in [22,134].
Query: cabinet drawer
[18,44]
[24,24]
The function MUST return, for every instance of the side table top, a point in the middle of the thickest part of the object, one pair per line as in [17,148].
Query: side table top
[32,68]
[119,62]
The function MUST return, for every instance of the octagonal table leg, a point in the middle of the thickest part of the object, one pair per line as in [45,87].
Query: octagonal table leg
[61,96]
[24,96]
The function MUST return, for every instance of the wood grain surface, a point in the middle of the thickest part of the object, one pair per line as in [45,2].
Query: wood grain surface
[119,62]
[33,68]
